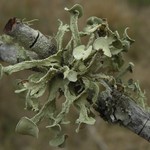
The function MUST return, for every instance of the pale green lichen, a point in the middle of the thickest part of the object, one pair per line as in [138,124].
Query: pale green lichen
[27,127]
[75,13]
[77,72]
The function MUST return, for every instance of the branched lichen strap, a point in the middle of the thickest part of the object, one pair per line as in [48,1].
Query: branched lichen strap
[37,118]
[122,72]
[76,12]
[22,66]
[60,34]
[29,38]
[65,106]
[70,98]
[68,46]
[27,65]
[42,111]
[91,40]
[74,29]
[90,64]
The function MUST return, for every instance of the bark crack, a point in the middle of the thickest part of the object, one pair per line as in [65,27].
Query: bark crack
[34,41]
[143,126]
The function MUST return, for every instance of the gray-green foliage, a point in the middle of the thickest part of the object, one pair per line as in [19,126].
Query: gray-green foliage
[77,73]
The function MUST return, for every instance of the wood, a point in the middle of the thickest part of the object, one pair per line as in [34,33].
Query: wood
[30,38]
[121,109]
[11,54]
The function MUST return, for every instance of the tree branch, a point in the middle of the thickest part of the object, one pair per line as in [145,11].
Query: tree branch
[29,38]
[10,53]
[119,108]
[113,105]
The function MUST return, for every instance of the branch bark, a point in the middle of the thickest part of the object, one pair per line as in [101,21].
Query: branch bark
[10,53]
[119,108]
[30,38]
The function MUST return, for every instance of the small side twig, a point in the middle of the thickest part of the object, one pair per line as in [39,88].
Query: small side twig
[30,38]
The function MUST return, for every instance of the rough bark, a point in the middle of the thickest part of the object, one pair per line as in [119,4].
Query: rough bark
[119,108]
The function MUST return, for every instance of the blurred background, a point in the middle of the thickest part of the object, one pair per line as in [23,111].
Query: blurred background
[102,136]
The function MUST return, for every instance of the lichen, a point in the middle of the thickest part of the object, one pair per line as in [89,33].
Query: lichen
[78,72]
